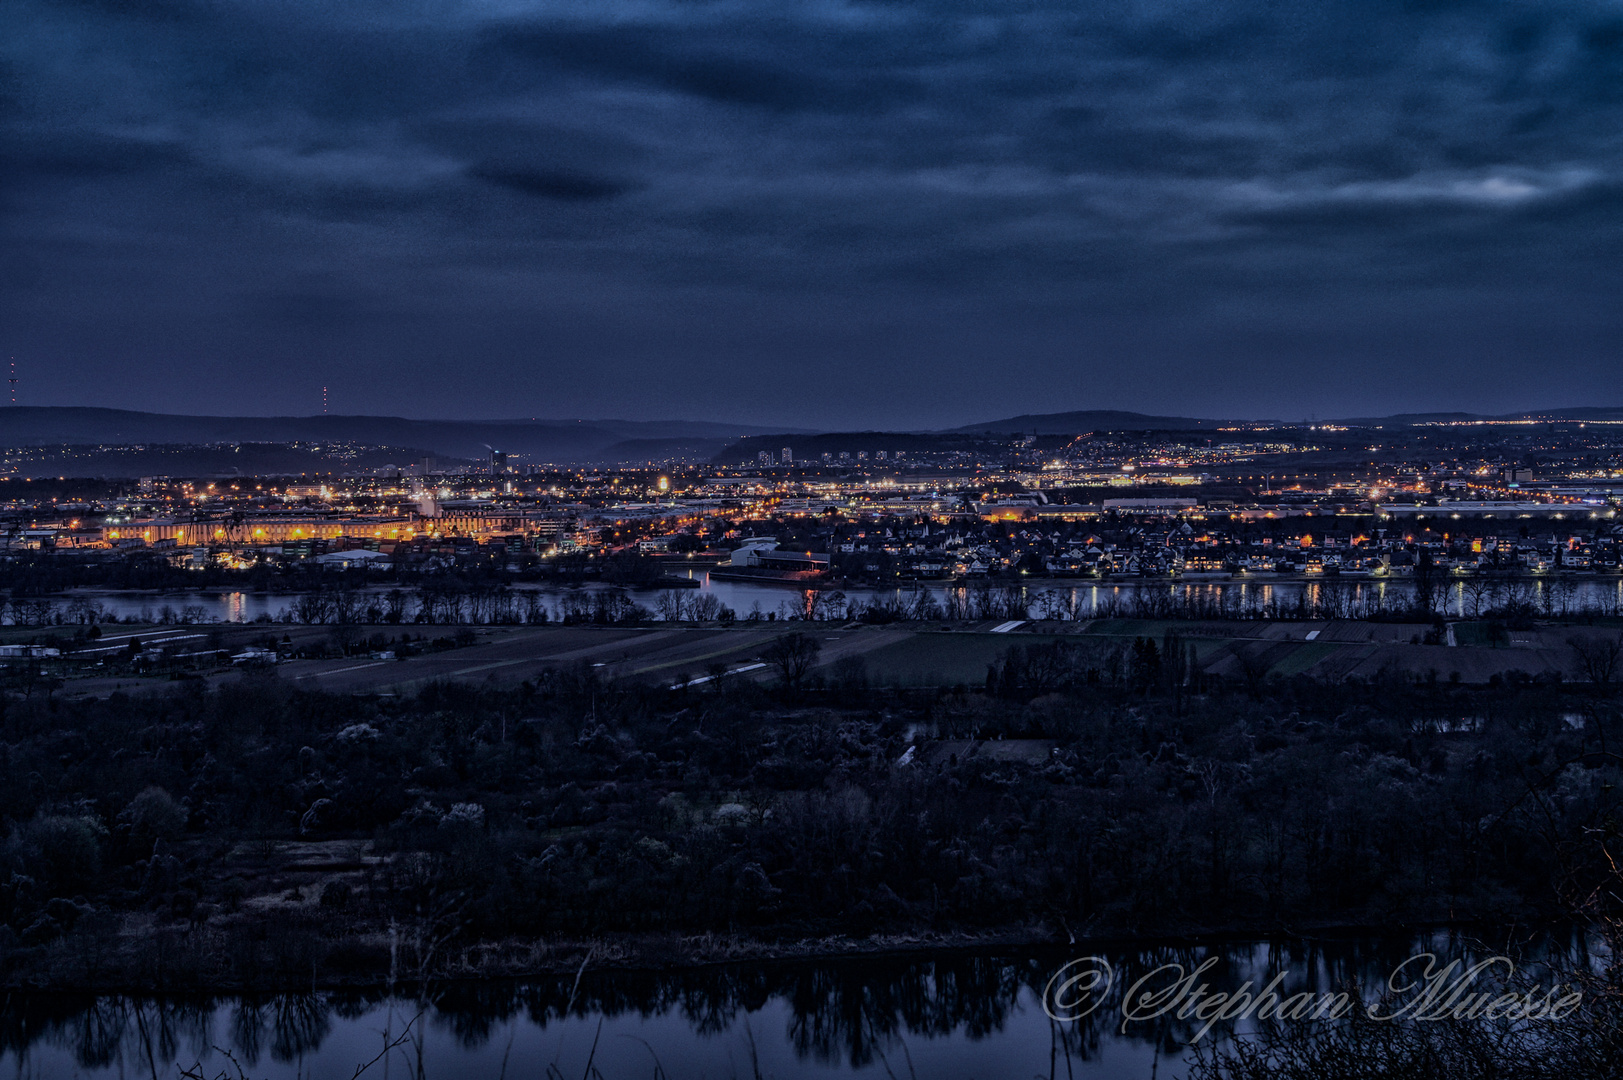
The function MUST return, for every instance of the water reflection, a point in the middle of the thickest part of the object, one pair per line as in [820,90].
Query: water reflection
[958,1015]
[1552,596]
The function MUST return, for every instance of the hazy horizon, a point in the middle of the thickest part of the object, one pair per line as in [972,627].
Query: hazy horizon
[766,428]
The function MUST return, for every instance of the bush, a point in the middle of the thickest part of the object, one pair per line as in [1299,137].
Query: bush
[233,890]
[61,852]
[154,815]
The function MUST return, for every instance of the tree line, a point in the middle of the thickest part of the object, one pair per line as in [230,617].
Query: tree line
[1078,792]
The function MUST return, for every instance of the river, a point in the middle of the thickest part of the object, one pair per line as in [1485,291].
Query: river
[1056,598]
[952,1017]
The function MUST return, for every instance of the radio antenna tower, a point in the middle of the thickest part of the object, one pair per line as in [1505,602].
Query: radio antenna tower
[323,401]
[13,380]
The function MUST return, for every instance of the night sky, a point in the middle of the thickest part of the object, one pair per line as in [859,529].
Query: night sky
[831,214]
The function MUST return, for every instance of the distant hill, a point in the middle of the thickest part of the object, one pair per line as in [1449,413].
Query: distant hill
[215,460]
[811,447]
[547,441]
[662,451]
[1069,423]
[1582,414]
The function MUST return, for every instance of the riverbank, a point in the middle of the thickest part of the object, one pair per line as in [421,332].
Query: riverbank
[243,957]
[1251,594]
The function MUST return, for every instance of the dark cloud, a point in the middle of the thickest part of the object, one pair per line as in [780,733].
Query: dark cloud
[875,213]
[649,57]
[74,157]
[547,183]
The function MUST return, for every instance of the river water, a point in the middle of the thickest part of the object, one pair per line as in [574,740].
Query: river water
[1057,598]
[952,1017]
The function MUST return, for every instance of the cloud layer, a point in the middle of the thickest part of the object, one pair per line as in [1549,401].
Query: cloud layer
[837,213]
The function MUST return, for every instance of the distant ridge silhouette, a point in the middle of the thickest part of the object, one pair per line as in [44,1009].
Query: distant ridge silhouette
[571,441]
[1066,423]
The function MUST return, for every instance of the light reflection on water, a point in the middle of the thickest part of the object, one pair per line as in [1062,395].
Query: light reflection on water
[1233,598]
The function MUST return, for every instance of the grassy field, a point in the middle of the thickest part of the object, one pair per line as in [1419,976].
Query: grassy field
[935,659]
[943,659]
[898,655]
[1304,656]
[1476,634]
[1154,629]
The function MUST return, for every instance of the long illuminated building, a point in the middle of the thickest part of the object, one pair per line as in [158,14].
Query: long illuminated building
[256,529]
[274,528]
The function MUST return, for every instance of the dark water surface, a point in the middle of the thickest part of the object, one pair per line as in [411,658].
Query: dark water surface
[951,1016]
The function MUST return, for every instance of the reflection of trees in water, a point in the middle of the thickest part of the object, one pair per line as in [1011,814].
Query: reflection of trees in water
[99,1033]
[833,1010]
[104,1031]
[713,1002]
[848,1011]
[160,1027]
[298,1024]
[471,1012]
[855,1012]
[248,1030]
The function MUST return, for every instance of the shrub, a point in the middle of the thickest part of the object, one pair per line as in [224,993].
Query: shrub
[154,815]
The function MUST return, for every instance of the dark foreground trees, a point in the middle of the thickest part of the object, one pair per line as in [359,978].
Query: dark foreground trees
[1599,657]
[257,831]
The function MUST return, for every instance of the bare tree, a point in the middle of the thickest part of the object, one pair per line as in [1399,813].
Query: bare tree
[1517,594]
[1598,655]
[1047,604]
[1562,590]
[312,608]
[1175,667]
[922,607]
[793,655]
[1253,668]
[670,606]
[347,605]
